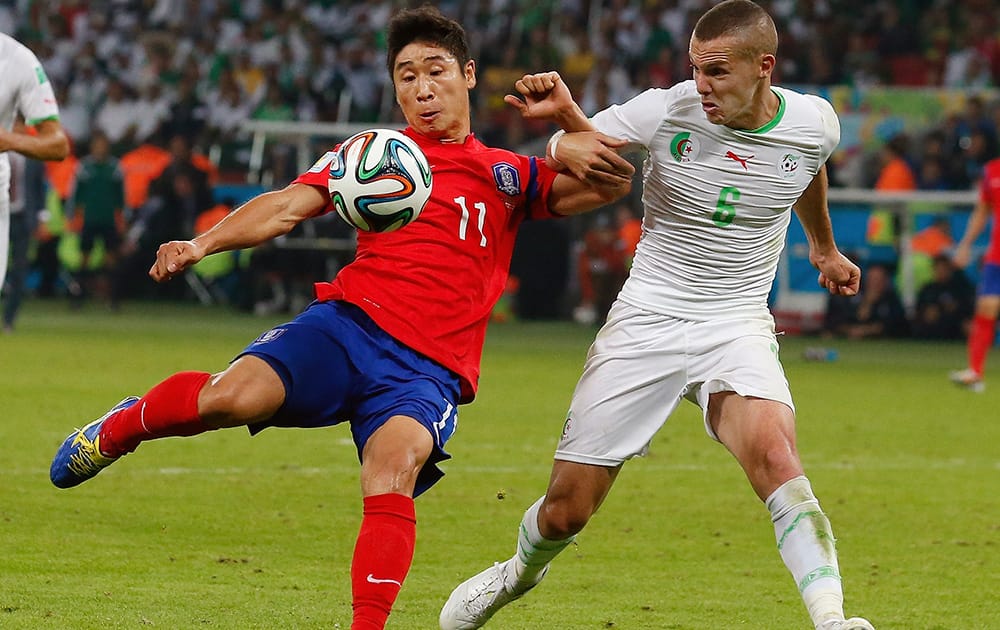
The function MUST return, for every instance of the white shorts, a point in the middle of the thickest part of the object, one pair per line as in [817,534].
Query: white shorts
[642,364]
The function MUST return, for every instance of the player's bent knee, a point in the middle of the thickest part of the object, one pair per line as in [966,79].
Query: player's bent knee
[562,519]
[229,403]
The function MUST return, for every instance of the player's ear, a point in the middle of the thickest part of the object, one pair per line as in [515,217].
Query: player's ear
[470,73]
[767,62]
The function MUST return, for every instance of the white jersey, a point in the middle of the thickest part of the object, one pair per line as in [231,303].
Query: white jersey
[717,200]
[24,90]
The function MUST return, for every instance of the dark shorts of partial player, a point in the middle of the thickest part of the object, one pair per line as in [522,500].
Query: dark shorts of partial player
[989,280]
[339,366]
[107,233]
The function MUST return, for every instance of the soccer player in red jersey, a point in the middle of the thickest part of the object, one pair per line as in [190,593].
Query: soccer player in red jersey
[392,345]
[984,322]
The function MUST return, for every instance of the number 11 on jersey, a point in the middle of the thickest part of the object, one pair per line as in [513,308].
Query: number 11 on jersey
[480,209]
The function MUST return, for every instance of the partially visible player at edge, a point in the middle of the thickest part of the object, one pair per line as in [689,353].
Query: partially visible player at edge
[729,157]
[393,344]
[25,96]
[984,321]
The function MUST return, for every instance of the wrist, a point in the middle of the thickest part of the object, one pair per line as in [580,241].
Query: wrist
[572,119]
[550,152]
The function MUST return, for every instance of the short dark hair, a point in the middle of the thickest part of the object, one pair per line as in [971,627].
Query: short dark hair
[743,19]
[426,24]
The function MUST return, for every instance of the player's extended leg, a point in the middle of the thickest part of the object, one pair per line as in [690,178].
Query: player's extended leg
[391,461]
[761,435]
[574,494]
[187,403]
[981,337]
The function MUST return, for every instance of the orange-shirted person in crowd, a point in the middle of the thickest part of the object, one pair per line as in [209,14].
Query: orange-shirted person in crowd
[629,232]
[601,271]
[895,174]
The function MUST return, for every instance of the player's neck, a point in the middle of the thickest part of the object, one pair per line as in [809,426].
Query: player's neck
[766,104]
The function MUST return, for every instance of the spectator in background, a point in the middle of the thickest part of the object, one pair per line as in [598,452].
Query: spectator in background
[176,197]
[926,245]
[601,271]
[966,66]
[895,174]
[629,231]
[983,331]
[974,156]
[140,166]
[875,312]
[153,115]
[188,111]
[117,118]
[76,117]
[96,208]
[945,304]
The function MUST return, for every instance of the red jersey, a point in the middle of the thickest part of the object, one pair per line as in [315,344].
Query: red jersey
[989,193]
[433,283]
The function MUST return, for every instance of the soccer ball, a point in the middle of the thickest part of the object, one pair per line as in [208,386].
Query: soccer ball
[379,180]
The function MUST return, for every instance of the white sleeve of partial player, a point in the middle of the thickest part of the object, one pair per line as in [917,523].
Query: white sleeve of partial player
[36,100]
[831,126]
[637,119]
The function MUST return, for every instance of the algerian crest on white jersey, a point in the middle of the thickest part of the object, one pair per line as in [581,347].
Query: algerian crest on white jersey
[717,200]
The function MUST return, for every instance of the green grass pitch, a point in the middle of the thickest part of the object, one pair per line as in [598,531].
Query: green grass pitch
[225,531]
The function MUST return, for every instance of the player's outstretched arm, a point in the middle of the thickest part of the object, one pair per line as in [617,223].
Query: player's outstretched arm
[571,195]
[977,223]
[837,273]
[49,143]
[261,219]
[590,156]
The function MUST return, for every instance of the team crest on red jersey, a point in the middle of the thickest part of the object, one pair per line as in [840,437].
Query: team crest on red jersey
[270,335]
[507,178]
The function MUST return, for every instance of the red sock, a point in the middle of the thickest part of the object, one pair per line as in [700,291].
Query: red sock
[382,557]
[980,339]
[169,409]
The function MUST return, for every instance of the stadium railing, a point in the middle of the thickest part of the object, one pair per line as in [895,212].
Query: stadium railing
[796,294]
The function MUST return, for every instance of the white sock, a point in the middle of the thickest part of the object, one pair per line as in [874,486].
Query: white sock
[534,552]
[808,548]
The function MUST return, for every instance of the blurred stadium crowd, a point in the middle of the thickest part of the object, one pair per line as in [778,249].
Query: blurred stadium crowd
[171,82]
[141,69]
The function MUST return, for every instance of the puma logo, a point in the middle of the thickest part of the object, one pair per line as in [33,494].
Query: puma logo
[742,160]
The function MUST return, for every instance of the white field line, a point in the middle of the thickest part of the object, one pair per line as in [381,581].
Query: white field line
[455,468]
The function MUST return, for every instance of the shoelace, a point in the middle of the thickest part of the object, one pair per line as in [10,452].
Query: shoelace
[485,594]
[83,461]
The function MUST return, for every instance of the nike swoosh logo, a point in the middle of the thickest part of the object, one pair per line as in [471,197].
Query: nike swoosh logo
[375,580]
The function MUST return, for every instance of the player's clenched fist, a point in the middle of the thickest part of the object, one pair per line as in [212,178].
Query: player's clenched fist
[545,96]
[174,257]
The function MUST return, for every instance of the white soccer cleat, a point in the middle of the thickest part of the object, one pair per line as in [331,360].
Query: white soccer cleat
[854,623]
[968,379]
[475,600]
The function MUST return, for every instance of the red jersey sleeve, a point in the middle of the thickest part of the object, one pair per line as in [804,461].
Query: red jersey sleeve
[318,175]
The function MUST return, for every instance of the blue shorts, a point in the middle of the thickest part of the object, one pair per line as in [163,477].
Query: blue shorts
[989,280]
[339,366]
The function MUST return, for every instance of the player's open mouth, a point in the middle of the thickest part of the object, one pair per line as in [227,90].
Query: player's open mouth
[429,116]
[709,108]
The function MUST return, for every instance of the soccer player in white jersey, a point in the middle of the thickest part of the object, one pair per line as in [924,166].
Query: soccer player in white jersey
[729,157]
[25,95]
